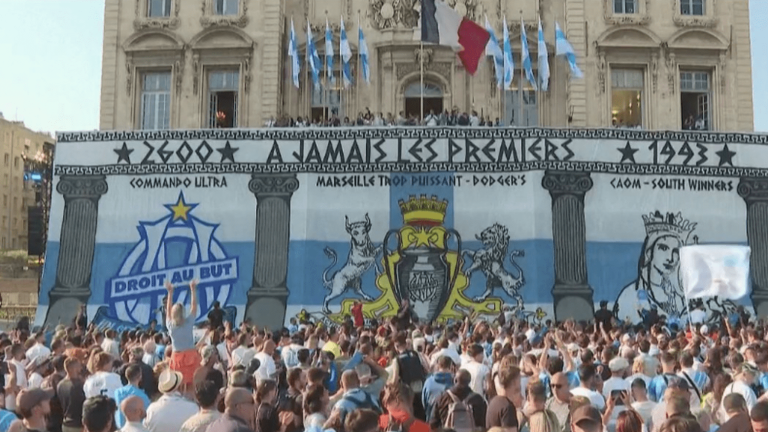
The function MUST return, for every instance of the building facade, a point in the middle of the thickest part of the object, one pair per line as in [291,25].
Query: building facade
[223,63]
[17,144]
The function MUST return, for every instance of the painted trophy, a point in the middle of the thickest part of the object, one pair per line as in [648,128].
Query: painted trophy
[422,269]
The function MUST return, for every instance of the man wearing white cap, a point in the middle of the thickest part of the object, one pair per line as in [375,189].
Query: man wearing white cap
[171,410]
[616,383]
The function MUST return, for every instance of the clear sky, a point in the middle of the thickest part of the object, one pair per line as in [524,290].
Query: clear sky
[50,62]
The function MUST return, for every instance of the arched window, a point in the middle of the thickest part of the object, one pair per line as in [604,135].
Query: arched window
[430,90]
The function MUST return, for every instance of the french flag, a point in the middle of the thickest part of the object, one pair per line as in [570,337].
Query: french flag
[442,25]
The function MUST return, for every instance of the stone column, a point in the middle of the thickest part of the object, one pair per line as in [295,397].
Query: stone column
[571,295]
[77,245]
[754,191]
[268,296]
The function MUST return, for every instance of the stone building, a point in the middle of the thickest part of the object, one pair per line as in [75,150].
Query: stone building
[18,192]
[653,65]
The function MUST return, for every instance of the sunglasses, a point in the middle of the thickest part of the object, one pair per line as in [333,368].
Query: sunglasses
[558,386]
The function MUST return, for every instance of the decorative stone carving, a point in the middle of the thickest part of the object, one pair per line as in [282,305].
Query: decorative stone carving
[601,70]
[654,71]
[708,20]
[178,73]
[246,74]
[514,26]
[195,72]
[209,19]
[390,14]
[142,21]
[441,68]
[671,63]
[129,74]
[423,55]
[640,17]
[465,8]
[320,27]
[722,67]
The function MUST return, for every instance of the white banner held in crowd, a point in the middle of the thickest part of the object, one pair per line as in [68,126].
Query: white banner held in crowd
[715,270]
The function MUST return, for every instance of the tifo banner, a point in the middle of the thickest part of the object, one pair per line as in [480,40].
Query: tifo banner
[282,224]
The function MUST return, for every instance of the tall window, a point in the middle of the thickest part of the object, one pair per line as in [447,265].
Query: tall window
[695,100]
[6,159]
[627,98]
[156,100]
[624,6]
[223,88]
[692,7]
[521,106]
[226,7]
[326,99]
[159,8]
[16,162]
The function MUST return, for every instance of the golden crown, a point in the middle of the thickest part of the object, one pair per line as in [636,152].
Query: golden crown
[660,224]
[423,210]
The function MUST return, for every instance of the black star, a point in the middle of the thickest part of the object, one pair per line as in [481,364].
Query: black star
[627,153]
[726,156]
[227,152]
[123,154]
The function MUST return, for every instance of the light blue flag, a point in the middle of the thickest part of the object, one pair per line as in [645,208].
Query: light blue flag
[493,49]
[293,53]
[526,57]
[313,59]
[345,52]
[509,62]
[563,47]
[363,51]
[329,53]
[543,61]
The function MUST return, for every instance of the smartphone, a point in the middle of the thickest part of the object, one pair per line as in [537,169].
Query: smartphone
[618,396]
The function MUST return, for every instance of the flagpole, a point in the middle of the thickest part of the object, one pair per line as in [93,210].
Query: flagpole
[341,77]
[522,70]
[421,78]
[358,74]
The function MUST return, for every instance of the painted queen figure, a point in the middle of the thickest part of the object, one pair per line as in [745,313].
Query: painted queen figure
[658,282]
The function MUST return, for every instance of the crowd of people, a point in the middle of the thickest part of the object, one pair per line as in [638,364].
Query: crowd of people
[499,374]
[455,117]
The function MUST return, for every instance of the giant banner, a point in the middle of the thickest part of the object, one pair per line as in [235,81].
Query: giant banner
[301,223]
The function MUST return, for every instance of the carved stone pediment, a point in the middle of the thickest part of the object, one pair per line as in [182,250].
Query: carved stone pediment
[466,8]
[392,14]
[319,28]
[441,68]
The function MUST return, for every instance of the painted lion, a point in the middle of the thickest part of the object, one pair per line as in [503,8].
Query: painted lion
[490,260]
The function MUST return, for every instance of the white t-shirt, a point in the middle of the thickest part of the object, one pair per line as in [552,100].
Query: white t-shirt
[614,383]
[698,316]
[37,351]
[267,368]
[168,413]
[242,356]
[35,380]
[111,347]
[102,383]
[479,373]
[593,396]
[742,389]
[448,352]
[21,382]
[645,409]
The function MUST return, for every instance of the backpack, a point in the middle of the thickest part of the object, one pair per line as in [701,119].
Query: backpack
[460,417]
[395,426]
[367,403]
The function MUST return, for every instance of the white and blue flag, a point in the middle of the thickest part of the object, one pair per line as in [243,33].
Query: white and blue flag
[563,47]
[543,61]
[509,61]
[329,53]
[493,49]
[715,271]
[345,52]
[313,59]
[363,52]
[293,53]
[526,56]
